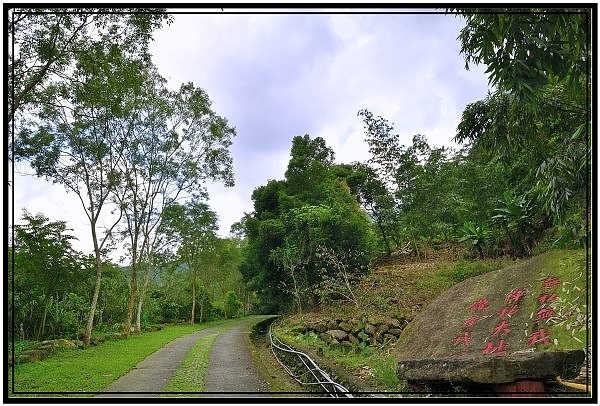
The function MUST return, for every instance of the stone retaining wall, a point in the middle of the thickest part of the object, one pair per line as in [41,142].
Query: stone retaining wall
[352,332]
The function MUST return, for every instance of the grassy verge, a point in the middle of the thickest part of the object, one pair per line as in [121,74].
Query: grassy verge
[92,369]
[375,366]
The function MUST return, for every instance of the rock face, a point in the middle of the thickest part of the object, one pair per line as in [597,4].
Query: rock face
[495,369]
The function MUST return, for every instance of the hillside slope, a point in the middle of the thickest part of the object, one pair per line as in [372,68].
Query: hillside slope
[432,299]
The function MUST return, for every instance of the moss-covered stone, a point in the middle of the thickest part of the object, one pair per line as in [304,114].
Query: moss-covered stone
[454,325]
[500,323]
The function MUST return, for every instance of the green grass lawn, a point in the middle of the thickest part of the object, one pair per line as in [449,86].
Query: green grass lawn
[92,369]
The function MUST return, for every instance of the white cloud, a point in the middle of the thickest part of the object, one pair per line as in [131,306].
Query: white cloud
[275,76]
[40,196]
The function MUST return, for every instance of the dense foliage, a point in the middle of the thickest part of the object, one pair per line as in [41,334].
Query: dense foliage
[97,118]
[312,209]
[52,284]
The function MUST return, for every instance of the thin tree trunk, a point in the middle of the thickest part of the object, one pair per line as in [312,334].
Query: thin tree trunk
[202,310]
[193,296]
[387,243]
[132,297]
[138,313]
[42,323]
[138,321]
[296,289]
[99,269]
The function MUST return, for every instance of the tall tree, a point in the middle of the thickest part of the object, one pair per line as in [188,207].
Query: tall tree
[46,43]
[311,209]
[177,142]
[77,140]
[192,229]
[71,69]
[373,196]
[384,147]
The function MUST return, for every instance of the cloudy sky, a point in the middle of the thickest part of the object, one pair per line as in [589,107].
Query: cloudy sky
[278,75]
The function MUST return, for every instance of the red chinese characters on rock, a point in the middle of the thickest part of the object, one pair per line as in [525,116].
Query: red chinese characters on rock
[538,337]
[501,328]
[500,331]
[480,304]
[464,338]
[547,297]
[515,295]
[499,349]
[497,342]
[470,322]
[511,300]
[508,311]
[550,282]
[545,313]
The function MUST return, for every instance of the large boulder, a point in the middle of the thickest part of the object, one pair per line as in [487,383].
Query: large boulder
[500,312]
[495,328]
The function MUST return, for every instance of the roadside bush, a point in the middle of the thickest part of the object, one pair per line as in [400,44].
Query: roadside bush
[233,305]
[171,312]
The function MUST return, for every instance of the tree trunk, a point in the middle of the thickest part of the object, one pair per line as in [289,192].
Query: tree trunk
[193,296]
[296,290]
[42,323]
[132,297]
[138,313]
[99,269]
[138,320]
[90,322]
[387,243]
[202,310]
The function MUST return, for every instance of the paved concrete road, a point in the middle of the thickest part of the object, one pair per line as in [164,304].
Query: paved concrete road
[230,369]
[230,357]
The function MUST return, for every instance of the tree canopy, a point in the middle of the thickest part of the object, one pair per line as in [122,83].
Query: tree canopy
[293,219]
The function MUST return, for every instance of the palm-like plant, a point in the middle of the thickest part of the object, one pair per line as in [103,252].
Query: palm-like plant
[476,235]
[515,215]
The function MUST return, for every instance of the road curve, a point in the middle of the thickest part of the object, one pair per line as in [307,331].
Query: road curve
[230,368]
[231,371]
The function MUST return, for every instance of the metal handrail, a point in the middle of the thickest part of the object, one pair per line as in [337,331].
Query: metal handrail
[319,377]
